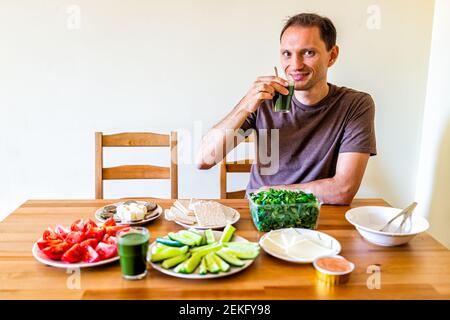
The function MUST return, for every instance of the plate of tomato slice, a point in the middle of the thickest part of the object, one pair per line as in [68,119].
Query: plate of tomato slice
[83,244]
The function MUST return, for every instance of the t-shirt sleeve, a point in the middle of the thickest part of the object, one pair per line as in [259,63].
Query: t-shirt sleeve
[359,132]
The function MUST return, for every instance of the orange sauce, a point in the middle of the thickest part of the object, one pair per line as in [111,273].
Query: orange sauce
[334,264]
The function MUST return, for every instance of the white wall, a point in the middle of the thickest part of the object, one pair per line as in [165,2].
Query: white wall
[434,166]
[166,64]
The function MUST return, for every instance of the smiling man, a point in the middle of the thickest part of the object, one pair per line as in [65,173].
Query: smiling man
[326,139]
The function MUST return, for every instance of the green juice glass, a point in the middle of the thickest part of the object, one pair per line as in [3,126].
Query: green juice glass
[281,102]
[132,246]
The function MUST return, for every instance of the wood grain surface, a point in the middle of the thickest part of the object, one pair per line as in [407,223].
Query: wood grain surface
[418,270]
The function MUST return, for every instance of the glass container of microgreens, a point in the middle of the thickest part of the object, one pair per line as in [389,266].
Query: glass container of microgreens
[277,209]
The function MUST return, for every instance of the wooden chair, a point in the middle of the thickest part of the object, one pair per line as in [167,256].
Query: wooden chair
[136,139]
[233,167]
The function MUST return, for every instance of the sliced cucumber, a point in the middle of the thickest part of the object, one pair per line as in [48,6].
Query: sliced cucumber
[158,247]
[194,230]
[179,237]
[196,249]
[209,234]
[242,245]
[169,242]
[244,252]
[203,268]
[211,263]
[172,262]
[193,262]
[227,233]
[229,257]
[168,253]
[213,248]
[203,242]
[223,266]
[181,268]
[197,238]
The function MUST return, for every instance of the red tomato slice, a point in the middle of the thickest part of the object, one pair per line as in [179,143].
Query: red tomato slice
[61,231]
[109,239]
[112,240]
[73,255]
[49,234]
[74,237]
[89,223]
[48,243]
[57,251]
[112,231]
[89,242]
[78,225]
[95,233]
[89,254]
[106,251]
[110,222]
[105,238]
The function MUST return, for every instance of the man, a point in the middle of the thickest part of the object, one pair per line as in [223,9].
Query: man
[326,139]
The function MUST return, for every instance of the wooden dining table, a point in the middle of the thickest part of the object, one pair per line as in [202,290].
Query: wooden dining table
[417,270]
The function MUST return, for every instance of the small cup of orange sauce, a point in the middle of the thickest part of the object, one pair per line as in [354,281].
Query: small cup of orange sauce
[333,270]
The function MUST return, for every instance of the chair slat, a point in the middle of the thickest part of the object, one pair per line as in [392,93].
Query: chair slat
[223,179]
[136,139]
[98,166]
[240,194]
[174,165]
[136,172]
[239,166]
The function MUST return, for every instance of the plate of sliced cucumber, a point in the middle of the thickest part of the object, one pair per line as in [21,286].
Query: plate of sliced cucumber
[202,254]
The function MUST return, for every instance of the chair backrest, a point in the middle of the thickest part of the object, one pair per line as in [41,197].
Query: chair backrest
[234,167]
[136,139]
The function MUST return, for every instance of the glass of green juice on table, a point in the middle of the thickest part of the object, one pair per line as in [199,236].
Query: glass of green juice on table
[132,247]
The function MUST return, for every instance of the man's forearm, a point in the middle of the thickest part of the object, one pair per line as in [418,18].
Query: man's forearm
[234,119]
[329,191]
[219,140]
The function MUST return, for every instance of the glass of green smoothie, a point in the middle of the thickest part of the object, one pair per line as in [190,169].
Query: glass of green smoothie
[281,102]
[132,247]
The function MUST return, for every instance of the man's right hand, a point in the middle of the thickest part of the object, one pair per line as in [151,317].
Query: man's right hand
[263,88]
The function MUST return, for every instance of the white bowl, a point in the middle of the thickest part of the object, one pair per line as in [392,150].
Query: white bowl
[368,220]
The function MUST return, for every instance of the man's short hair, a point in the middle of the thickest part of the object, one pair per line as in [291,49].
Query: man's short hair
[326,27]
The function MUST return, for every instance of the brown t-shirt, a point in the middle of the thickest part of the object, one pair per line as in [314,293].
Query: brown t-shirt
[311,137]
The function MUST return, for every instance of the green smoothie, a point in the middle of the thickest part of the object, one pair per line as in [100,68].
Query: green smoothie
[281,102]
[132,248]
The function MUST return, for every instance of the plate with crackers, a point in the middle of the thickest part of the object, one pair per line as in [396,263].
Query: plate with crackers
[201,214]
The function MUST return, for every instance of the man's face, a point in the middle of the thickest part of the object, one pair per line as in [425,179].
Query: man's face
[304,56]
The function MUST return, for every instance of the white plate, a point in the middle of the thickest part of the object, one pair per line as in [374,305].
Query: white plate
[41,257]
[333,244]
[157,213]
[195,275]
[235,219]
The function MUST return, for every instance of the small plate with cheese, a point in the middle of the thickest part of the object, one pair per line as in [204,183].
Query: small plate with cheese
[299,245]
[132,212]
